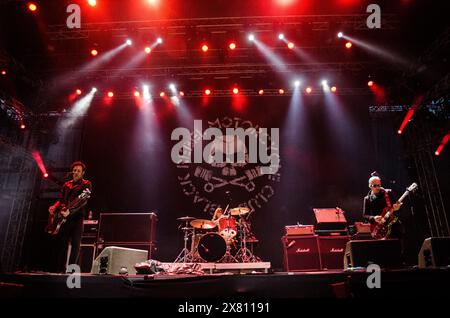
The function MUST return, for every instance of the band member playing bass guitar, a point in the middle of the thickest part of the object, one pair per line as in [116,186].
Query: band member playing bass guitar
[378,200]
[69,210]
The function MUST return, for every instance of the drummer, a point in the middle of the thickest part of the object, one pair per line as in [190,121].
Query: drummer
[217,214]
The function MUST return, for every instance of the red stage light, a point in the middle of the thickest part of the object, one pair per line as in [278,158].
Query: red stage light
[281,91]
[348,45]
[148,50]
[78,91]
[437,153]
[94,52]
[370,83]
[137,94]
[162,94]
[232,46]
[110,94]
[308,90]
[235,90]
[181,93]
[333,89]
[22,126]
[92,3]
[207,92]
[290,45]
[3,72]
[32,7]
[204,48]
[399,132]
[45,175]
[261,92]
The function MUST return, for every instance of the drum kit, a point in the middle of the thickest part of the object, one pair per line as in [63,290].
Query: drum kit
[217,240]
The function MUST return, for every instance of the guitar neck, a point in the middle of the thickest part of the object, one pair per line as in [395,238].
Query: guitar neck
[403,196]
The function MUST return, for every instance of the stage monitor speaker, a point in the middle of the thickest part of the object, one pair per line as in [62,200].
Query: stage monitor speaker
[113,259]
[301,253]
[332,250]
[384,253]
[435,252]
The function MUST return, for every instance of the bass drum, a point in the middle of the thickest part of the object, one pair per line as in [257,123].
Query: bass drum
[211,247]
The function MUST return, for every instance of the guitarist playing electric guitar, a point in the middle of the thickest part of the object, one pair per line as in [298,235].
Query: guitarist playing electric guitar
[69,210]
[378,201]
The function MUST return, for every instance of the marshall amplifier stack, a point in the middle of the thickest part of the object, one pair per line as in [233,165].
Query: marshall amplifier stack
[316,247]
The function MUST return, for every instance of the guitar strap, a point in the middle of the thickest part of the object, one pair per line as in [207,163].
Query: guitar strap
[388,201]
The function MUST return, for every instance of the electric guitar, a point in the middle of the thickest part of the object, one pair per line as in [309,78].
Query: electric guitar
[382,230]
[56,220]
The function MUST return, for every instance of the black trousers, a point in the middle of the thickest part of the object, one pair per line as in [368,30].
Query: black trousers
[71,233]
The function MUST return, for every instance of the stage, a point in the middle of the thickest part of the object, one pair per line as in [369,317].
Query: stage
[404,283]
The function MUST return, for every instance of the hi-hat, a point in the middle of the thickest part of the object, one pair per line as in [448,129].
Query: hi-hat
[239,211]
[203,224]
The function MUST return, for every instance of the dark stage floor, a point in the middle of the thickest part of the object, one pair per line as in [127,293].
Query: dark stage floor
[327,284]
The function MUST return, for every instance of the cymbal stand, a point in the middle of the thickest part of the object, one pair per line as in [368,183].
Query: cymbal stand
[245,255]
[186,255]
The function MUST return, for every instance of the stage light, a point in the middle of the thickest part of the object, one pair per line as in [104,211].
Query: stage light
[308,90]
[32,7]
[324,82]
[348,45]
[92,3]
[281,36]
[261,92]
[46,175]
[181,93]
[207,92]
[22,126]
[129,42]
[153,2]
[110,94]
[333,89]
[94,89]
[370,83]
[399,132]
[204,48]
[78,92]
[94,52]
[159,40]
[148,50]
[137,94]
[3,72]
[251,37]
[162,94]
[232,46]
[281,91]
[297,83]
[290,45]
[437,153]
[235,90]
[172,87]
[340,35]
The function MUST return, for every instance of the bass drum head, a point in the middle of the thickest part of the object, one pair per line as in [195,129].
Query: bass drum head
[212,247]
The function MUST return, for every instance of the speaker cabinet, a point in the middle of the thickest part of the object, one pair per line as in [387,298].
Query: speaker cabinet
[301,253]
[86,257]
[112,259]
[332,249]
[435,252]
[384,253]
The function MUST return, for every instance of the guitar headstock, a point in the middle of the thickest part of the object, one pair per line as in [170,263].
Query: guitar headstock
[413,187]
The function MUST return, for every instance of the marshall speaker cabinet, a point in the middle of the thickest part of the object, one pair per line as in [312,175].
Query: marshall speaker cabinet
[332,250]
[128,230]
[301,253]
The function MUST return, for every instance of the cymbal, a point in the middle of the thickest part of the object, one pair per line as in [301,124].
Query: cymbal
[186,218]
[203,224]
[239,211]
